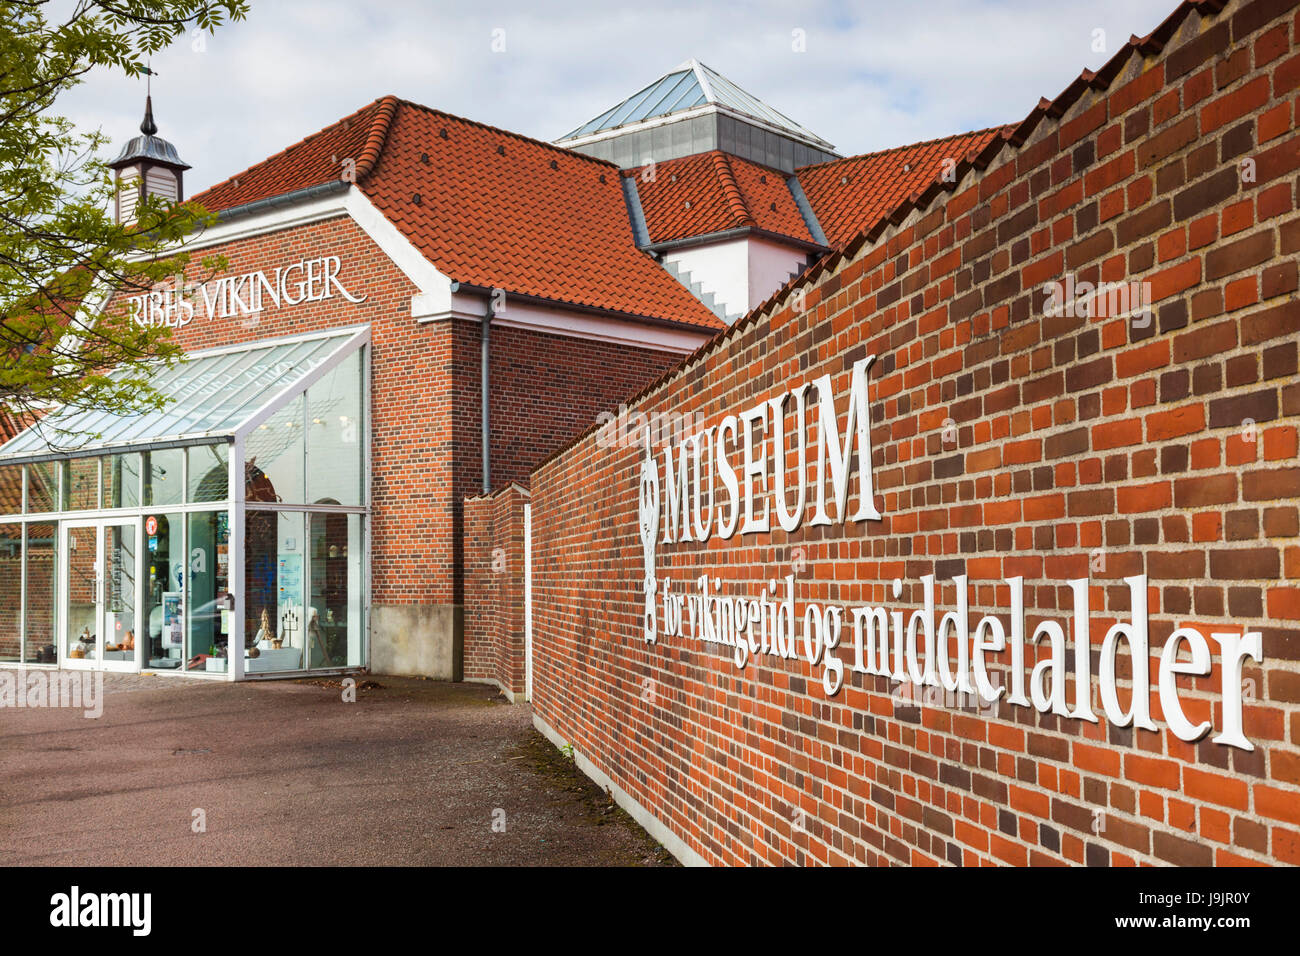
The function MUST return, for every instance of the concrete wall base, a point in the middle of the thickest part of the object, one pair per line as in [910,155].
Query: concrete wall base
[418,640]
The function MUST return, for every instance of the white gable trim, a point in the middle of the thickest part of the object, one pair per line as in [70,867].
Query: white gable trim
[278,217]
[435,288]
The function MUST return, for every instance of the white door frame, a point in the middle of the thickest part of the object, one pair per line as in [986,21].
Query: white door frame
[99,528]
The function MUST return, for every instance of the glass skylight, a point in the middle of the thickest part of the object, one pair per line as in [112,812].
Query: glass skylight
[209,394]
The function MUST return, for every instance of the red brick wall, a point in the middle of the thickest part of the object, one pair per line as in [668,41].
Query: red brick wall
[547,389]
[494,588]
[40,584]
[1070,440]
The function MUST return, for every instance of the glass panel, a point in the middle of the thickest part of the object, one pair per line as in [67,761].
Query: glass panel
[163,483]
[163,608]
[42,487]
[81,484]
[257,382]
[83,589]
[334,435]
[121,566]
[334,631]
[122,481]
[11,489]
[201,383]
[11,591]
[274,588]
[209,472]
[41,593]
[207,597]
[274,459]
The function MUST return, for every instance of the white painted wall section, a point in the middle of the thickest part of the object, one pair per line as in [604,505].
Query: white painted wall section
[740,273]
[721,268]
[770,265]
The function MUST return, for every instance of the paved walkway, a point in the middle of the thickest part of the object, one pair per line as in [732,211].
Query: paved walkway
[287,773]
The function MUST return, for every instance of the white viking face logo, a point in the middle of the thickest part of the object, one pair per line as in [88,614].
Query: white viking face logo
[649,527]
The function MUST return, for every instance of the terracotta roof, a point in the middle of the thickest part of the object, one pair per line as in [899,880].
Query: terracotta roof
[11,479]
[712,192]
[851,194]
[10,425]
[11,492]
[486,206]
[310,162]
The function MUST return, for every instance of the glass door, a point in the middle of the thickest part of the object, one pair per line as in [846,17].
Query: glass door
[100,622]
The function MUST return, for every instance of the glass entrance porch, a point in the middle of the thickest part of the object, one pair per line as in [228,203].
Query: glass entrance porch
[223,536]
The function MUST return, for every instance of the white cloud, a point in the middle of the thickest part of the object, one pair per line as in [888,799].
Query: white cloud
[874,75]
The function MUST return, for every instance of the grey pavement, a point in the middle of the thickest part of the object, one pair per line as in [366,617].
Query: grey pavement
[285,773]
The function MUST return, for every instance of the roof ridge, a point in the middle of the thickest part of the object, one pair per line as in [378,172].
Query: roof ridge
[378,135]
[513,135]
[284,152]
[731,158]
[735,199]
[905,146]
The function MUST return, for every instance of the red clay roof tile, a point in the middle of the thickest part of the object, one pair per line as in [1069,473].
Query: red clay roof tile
[852,194]
[712,192]
[317,159]
[495,209]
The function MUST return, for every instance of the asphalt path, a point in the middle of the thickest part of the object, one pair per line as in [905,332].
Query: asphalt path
[276,773]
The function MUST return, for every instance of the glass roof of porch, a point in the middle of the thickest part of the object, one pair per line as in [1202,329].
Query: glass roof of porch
[210,394]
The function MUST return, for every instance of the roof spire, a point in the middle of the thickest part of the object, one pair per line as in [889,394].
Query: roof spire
[148,126]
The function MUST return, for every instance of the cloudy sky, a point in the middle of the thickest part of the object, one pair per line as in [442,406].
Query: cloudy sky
[869,74]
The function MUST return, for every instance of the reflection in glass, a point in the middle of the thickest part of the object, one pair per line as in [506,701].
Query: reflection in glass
[11,489]
[81,484]
[335,435]
[11,582]
[42,487]
[207,598]
[40,592]
[209,472]
[274,589]
[164,574]
[274,457]
[334,612]
[81,611]
[122,481]
[120,570]
[163,470]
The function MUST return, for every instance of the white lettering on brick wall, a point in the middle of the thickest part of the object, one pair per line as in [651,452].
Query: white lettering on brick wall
[905,646]
[176,304]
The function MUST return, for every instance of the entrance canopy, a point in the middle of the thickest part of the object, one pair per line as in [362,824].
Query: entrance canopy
[218,394]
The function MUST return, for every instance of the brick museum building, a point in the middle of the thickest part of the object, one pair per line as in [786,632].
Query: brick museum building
[934,505]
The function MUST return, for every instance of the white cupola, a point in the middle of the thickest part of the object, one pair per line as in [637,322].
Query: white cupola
[147,166]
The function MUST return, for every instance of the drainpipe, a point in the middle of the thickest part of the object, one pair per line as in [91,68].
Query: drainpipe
[485,418]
